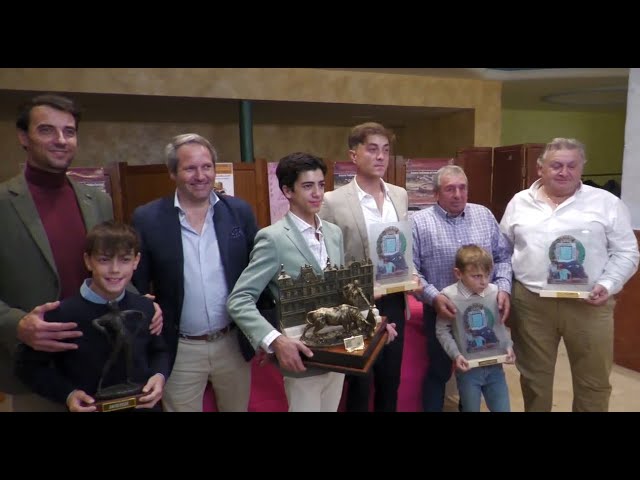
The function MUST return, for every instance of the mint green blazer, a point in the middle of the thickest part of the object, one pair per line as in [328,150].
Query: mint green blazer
[279,244]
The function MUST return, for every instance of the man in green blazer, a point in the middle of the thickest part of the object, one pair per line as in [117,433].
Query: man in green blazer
[299,239]
[44,217]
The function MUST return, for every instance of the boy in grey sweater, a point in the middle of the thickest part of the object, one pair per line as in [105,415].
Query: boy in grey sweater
[476,340]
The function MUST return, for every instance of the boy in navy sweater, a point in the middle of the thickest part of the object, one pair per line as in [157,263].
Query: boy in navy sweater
[73,377]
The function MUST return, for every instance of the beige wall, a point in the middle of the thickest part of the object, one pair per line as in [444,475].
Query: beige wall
[455,131]
[140,143]
[418,140]
[303,85]
[293,84]
[601,132]
[437,137]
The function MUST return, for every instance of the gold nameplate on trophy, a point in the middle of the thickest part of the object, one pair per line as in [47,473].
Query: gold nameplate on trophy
[351,344]
[122,403]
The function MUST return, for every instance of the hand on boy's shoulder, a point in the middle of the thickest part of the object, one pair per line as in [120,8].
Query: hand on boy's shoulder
[157,321]
[444,307]
[151,308]
[34,331]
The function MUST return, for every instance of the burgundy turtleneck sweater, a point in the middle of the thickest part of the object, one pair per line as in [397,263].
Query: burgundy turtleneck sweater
[60,214]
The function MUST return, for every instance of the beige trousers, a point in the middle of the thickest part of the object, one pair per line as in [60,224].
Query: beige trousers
[318,393]
[198,362]
[537,325]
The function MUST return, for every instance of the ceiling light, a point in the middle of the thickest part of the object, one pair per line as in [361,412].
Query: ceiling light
[616,95]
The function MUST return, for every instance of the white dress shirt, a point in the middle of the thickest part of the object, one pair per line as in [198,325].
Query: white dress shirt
[370,208]
[611,252]
[204,308]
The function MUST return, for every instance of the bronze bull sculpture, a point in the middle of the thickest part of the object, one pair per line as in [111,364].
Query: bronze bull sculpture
[346,316]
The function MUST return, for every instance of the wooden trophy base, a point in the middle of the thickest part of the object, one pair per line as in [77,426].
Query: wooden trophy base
[357,362]
[389,288]
[118,398]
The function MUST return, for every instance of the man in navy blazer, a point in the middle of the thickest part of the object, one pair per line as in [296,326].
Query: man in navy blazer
[194,246]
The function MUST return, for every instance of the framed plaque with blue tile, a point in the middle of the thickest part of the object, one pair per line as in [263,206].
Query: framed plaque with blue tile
[391,251]
[571,264]
[481,338]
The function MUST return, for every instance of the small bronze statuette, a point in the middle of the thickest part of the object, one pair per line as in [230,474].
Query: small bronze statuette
[112,324]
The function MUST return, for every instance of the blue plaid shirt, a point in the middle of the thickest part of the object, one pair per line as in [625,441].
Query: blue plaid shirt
[437,237]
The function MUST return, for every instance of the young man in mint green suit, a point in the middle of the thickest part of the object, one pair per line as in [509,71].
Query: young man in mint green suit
[299,239]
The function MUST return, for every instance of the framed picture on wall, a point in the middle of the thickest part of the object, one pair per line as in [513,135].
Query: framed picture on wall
[420,183]
[278,203]
[343,173]
[91,176]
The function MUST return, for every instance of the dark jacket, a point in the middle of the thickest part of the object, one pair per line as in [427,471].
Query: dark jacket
[161,264]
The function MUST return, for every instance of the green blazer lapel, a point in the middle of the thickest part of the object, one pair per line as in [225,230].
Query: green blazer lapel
[28,214]
[86,201]
[356,210]
[294,235]
[333,251]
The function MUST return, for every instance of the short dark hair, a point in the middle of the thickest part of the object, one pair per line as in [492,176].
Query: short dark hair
[291,166]
[475,256]
[359,133]
[58,102]
[111,238]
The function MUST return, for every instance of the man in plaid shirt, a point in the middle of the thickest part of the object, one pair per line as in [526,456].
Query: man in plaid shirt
[438,232]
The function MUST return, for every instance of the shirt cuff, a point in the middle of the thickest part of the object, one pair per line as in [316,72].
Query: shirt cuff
[503,285]
[608,284]
[268,339]
[430,293]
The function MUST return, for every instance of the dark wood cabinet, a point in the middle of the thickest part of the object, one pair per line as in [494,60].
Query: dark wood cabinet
[626,334]
[477,164]
[514,168]
[135,185]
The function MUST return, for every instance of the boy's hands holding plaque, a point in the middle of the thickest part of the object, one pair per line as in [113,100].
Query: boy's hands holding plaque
[462,364]
[80,401]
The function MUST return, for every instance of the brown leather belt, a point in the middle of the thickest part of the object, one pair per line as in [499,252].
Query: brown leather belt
[210,337]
